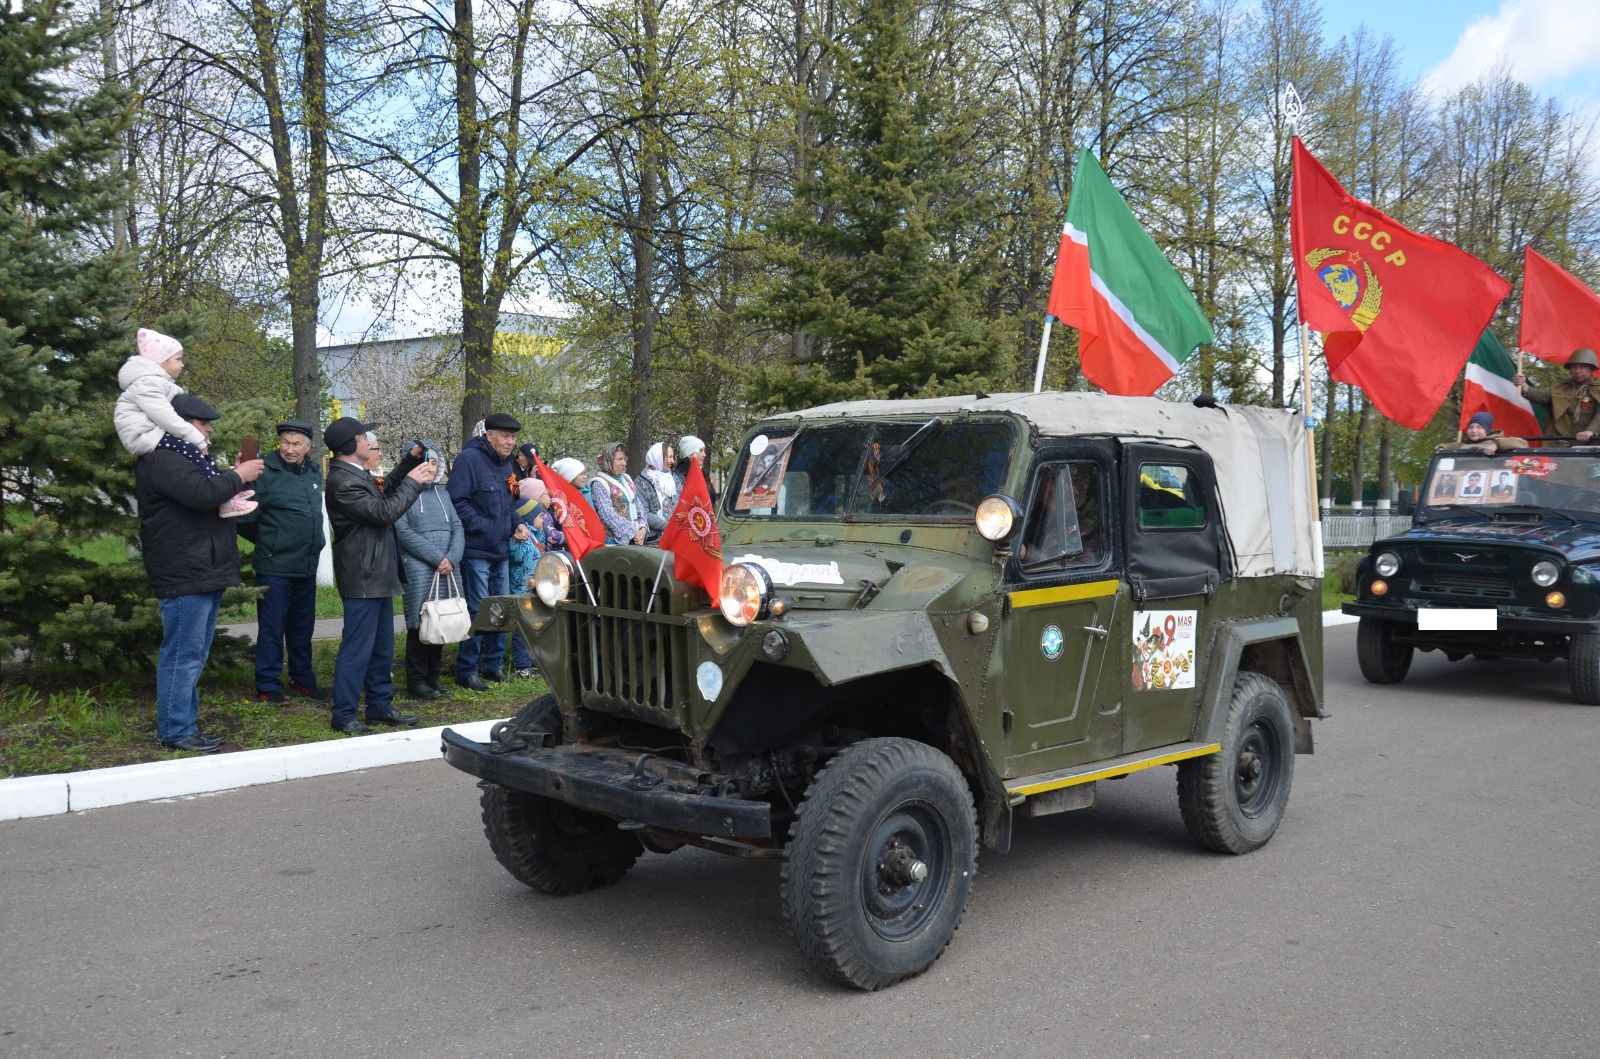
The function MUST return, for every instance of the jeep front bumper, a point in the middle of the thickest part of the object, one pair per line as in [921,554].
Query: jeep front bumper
[1551,625]
[611,784]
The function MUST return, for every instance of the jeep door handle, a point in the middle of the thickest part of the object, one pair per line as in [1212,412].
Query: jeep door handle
[1094,630]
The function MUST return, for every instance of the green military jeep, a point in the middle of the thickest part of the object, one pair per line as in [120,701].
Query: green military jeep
[935,615]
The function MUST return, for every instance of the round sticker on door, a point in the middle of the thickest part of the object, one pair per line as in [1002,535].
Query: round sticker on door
[1051,642]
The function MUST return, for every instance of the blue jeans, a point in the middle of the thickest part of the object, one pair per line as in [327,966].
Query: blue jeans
[287,610]
[187,625]
[484,578]
[366,659]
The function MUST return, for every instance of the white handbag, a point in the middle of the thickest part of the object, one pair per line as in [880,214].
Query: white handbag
[445,620]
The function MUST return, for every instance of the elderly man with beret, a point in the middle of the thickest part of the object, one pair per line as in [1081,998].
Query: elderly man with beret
[481,488]
[286,529]
[366,567]
[192,554]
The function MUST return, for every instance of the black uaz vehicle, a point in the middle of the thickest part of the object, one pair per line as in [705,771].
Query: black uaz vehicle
[1503,560]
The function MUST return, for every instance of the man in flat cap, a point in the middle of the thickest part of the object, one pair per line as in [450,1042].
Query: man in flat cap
[482,488]
[366,567]
[192,554]
[286,528]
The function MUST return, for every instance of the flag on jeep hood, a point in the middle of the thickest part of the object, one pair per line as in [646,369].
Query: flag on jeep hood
[579,521]
[1487,387]
[692,538]
[1135,317]
[1400,311]
[1559,313]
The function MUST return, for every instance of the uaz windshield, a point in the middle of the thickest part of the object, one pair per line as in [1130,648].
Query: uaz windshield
[927,469]
[1550,479]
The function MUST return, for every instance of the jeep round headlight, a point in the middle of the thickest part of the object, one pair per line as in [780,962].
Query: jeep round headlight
[552,578]
[1387,564]
[746,591]
[997,517]
[1545,573]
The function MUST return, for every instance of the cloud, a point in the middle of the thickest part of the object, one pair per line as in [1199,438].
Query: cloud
[1542,42]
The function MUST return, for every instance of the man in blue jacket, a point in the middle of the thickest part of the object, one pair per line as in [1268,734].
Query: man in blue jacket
[286,529]
[480,487]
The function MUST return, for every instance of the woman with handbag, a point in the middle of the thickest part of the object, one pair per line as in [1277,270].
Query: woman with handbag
[431,542]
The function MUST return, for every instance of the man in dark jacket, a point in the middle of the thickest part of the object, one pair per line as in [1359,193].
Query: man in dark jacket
[366,567]
[192,554]
[480,488]
[286,528]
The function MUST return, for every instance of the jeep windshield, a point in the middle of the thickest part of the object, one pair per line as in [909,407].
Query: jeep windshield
[920,469]
[1564,481]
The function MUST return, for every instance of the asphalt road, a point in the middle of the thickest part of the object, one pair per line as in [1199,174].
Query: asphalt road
[1432,892]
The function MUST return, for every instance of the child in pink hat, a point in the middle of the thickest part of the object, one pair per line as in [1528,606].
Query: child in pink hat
[144,410]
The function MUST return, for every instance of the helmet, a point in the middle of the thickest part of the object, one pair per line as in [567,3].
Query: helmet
[1583,356]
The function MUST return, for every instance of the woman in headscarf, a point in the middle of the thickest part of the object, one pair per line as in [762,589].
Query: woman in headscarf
[692,448]
[616,498]
[658,489]
[431,542]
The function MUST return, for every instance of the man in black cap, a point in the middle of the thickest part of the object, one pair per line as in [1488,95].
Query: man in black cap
[192,554]
[482,488]
[366,567]
[286,528]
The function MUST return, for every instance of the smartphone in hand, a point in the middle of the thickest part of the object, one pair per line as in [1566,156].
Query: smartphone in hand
[249,449]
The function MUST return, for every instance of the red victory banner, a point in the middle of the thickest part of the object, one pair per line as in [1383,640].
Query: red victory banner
[580,523]
[1400,311]
[692,538]
[1559,314]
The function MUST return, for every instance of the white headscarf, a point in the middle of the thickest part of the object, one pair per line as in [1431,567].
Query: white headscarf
[666,485]
[688,445]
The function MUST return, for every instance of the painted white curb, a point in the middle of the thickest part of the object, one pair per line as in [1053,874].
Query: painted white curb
[183,777]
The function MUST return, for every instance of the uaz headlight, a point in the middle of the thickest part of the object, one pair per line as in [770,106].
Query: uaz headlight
[997,516]
[746,591]
[1387,564]
[552,578]
[1545,573]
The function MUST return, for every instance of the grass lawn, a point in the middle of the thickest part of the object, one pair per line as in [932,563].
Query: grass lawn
[50,721]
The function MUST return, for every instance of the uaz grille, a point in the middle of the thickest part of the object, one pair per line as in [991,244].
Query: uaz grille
[1467,586]
[622,655]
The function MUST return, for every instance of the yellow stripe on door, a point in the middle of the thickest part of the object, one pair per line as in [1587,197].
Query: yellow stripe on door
[1038,597]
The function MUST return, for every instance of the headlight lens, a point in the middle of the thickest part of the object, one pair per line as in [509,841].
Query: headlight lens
[997,517]
[552,578]
[1545,573]
[1387,564]
[746,591]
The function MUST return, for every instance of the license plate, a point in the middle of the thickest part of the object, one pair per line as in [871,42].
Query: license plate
[1457,619]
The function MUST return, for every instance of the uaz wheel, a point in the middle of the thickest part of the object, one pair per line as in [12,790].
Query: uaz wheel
[881,859]
[1383,661]
[1232,801]
[1583,668]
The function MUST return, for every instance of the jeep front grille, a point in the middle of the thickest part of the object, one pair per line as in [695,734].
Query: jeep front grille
[1467,586]
[622,655]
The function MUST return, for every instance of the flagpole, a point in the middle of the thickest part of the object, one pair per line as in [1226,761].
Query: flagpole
[1293,110]
[651,602]
[1044,339]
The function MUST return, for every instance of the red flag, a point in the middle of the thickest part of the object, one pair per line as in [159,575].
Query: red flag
[692,538]
[580,524]
[1559,313]
[1400,311]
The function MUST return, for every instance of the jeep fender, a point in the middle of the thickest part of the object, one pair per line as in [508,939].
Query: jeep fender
[1273,647]
[861,643]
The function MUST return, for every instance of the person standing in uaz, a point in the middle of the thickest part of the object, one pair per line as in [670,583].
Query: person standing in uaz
[366,567]
[480,487]
[192,554]
[286,528]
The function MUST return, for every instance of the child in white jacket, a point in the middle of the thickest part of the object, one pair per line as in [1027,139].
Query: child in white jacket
[144,411]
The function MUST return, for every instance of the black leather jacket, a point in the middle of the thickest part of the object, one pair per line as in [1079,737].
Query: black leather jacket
[366,559]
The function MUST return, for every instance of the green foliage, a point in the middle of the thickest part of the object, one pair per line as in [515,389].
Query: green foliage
[875,259]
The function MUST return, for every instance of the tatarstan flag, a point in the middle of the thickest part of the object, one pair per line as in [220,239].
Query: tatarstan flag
[1487,387]
[1400,311]
[1135,317]
[1559,313]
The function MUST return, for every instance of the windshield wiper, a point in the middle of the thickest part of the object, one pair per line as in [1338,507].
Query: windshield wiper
[905,448]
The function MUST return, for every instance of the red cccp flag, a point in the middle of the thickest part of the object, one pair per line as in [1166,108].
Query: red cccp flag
[579,522]
[692,538]
[1559,314]
[1400,311]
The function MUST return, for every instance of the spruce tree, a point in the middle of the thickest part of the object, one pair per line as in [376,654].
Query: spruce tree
[877,260]
[63,477]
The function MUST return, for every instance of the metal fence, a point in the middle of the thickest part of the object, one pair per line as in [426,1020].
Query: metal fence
[1353,530]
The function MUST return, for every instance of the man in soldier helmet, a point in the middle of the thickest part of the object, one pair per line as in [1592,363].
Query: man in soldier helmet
[1574,402]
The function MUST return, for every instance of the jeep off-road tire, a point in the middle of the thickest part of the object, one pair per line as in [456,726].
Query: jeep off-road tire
[881,859]
[1382,660]
[548,845]
[1583,668]
[1232,801]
